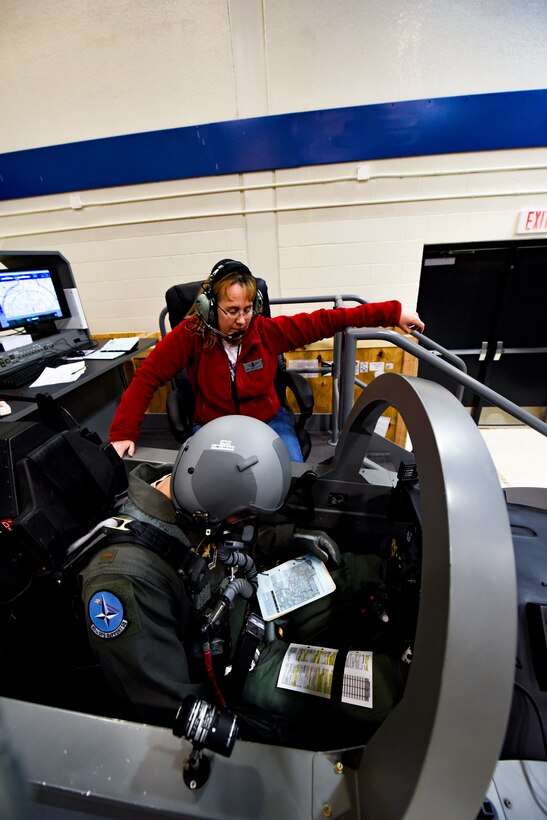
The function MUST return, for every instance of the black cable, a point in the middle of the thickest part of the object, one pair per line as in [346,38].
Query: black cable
[91,344]
[69,414]
[17,594]
[62,339]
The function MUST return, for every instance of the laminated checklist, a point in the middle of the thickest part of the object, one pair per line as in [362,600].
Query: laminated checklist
[310,671]
[291,585]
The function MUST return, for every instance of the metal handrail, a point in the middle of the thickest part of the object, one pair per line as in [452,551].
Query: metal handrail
[338,374]
[353,334]
[295,300]
[449,355]
[335,369]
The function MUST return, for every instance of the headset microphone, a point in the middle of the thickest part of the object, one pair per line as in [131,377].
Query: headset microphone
[232,337]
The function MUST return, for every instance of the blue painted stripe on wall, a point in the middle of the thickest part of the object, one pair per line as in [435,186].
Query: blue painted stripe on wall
[445,125]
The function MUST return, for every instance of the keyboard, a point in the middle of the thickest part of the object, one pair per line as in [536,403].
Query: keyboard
[22,365]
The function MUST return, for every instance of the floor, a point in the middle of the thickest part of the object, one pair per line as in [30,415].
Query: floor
[519,455]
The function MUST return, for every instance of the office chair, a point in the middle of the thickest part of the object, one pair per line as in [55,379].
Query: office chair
[180,402]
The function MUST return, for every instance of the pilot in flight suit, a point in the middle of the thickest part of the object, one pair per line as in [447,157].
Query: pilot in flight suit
[144,602]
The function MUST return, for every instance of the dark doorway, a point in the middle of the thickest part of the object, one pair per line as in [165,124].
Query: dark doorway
[486,303]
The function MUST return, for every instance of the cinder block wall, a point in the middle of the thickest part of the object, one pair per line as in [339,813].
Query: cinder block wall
[74,71]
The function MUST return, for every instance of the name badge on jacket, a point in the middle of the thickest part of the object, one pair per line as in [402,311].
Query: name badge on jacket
[257,364]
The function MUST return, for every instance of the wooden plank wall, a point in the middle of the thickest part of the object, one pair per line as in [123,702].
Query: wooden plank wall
[372,360]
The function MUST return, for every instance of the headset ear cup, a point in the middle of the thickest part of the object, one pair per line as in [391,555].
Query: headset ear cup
[213,313]
[205,308]
[258,305]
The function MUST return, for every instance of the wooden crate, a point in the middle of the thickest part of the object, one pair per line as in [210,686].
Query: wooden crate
[373,358]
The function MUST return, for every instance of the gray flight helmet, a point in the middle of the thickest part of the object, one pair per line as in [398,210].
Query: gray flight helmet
[231,465]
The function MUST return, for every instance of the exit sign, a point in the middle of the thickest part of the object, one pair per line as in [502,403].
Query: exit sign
[532,222]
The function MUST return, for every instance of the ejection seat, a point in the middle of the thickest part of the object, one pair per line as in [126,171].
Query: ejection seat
[180,402]
[57,487]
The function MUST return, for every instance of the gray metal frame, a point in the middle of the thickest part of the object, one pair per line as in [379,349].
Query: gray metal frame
[433,756]
[342,367]
[351,335]
[436,752]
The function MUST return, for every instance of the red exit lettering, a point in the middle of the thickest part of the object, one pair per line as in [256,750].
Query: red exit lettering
[536,221]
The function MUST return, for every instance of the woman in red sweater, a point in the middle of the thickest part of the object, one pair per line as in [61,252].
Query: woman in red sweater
[230,353]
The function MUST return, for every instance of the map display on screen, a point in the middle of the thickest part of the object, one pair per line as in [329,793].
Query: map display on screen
[27,297]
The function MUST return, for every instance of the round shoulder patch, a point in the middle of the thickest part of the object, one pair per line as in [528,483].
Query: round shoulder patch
[106,615]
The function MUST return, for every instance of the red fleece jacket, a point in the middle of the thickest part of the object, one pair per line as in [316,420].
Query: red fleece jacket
[209,372]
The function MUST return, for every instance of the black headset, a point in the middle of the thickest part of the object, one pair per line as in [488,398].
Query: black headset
[206,302]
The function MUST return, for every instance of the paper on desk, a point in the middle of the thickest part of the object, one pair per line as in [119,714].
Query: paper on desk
[59,375]
[122,344]
[105,354]
[115,347]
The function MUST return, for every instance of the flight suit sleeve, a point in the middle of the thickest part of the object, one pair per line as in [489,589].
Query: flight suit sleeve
[137,619]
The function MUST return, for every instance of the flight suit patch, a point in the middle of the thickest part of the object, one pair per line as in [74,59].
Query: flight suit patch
[106,614]
[112,610]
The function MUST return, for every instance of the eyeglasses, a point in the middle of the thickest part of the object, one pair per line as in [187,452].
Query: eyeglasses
[234,312]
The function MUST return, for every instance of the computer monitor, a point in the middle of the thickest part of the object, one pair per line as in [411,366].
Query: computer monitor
[33,299]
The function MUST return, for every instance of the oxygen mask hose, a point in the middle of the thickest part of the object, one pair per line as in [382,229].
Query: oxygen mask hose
[230,556]
[237,586]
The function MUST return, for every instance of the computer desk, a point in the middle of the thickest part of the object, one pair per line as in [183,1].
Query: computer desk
[91,400]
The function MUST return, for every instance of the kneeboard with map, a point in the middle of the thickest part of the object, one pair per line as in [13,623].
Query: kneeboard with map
[291,585]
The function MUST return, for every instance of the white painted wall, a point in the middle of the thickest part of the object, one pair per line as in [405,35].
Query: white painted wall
[79,69]
[373,51]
